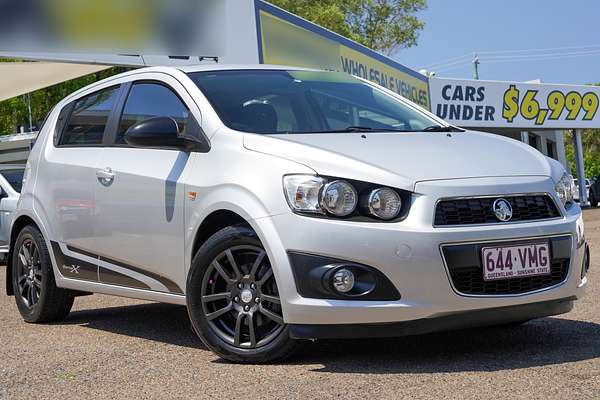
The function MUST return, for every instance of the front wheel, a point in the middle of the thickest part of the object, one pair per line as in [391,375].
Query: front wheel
[233,300]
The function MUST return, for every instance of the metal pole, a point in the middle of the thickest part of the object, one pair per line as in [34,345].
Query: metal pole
[29,108]
[475,67]
[580,166]
[525,137]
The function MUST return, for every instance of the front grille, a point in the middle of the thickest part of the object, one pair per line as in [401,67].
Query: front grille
[466,269]
[479,210]
[470,281]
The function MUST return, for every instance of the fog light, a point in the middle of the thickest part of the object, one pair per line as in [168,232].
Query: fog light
[343,280]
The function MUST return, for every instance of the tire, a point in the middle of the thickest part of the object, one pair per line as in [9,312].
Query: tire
[240,300]
[38,298]
[593,199]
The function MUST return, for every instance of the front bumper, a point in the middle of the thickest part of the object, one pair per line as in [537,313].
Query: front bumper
[409,254]
[460,320]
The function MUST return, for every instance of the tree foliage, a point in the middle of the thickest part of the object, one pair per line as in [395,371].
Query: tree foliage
[590,139]
[382,25]
[591,152]
[14,112]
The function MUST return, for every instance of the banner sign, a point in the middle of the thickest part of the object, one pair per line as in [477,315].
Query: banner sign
[473,103]
[285,39]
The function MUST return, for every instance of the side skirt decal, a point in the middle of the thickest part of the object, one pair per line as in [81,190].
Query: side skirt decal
[106,275]
[75,268]
[76,263]
[171,286]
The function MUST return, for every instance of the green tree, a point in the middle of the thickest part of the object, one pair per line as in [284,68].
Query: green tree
[382,25]
[590,140]
[591,152]
[14,112]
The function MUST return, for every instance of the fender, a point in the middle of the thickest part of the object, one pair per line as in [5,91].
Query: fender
[248,194]
[247,205]
[266,232]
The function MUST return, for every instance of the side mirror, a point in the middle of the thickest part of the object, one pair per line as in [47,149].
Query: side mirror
[162,133]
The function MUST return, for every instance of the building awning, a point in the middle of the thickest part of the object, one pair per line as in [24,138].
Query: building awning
[23,77]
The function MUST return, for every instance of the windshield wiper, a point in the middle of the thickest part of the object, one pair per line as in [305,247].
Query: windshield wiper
[365,129]
[347,129]
[440,128]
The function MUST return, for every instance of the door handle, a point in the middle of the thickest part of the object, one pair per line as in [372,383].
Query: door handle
[105,176]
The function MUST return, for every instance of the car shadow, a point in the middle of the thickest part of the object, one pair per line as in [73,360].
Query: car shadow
[547,341]
[159,322]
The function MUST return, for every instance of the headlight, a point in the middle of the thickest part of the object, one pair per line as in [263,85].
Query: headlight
[313,194]
[384,203]
[339,198]
[303,192]
[328,196]
[565,189]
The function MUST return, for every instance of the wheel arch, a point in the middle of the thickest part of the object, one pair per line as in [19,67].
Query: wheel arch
[223,206]
[221,217]
[214,222]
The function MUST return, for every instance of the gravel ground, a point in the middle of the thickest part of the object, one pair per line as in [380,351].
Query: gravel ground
[118,348]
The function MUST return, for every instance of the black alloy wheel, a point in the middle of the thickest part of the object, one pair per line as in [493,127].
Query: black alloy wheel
[36,294]
[240,298]
[233,299]
[29,273]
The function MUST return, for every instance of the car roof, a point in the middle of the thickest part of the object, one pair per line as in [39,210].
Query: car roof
[231,67]
[184,69]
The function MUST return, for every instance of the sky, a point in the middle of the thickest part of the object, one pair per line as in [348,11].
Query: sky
[510,29]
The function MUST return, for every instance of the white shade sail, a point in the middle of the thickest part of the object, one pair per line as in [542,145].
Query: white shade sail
[23,77]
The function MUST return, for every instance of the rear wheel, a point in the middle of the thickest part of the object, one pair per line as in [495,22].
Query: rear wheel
[233,299]
[36,294]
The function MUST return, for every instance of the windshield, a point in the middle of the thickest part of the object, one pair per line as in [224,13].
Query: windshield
[277,101]
[14,178]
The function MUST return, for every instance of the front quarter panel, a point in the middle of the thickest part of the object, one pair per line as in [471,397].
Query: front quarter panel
[235,179]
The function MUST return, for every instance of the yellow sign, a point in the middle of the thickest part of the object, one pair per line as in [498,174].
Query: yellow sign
[496,104]
[300,43]
[573,104]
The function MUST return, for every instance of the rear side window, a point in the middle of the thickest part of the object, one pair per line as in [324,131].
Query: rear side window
[15,178]
[88,118]
[149,100]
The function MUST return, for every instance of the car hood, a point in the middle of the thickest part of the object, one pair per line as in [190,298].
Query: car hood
[403,159]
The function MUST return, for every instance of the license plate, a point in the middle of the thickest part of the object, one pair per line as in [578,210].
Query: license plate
[509,262]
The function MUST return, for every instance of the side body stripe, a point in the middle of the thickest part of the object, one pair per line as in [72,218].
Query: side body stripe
[75,263]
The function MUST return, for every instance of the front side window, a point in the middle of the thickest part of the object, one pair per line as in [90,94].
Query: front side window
[88,118]
[279,101]
[149,100]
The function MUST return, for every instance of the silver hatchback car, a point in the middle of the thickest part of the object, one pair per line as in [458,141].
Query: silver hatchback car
[283,204]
